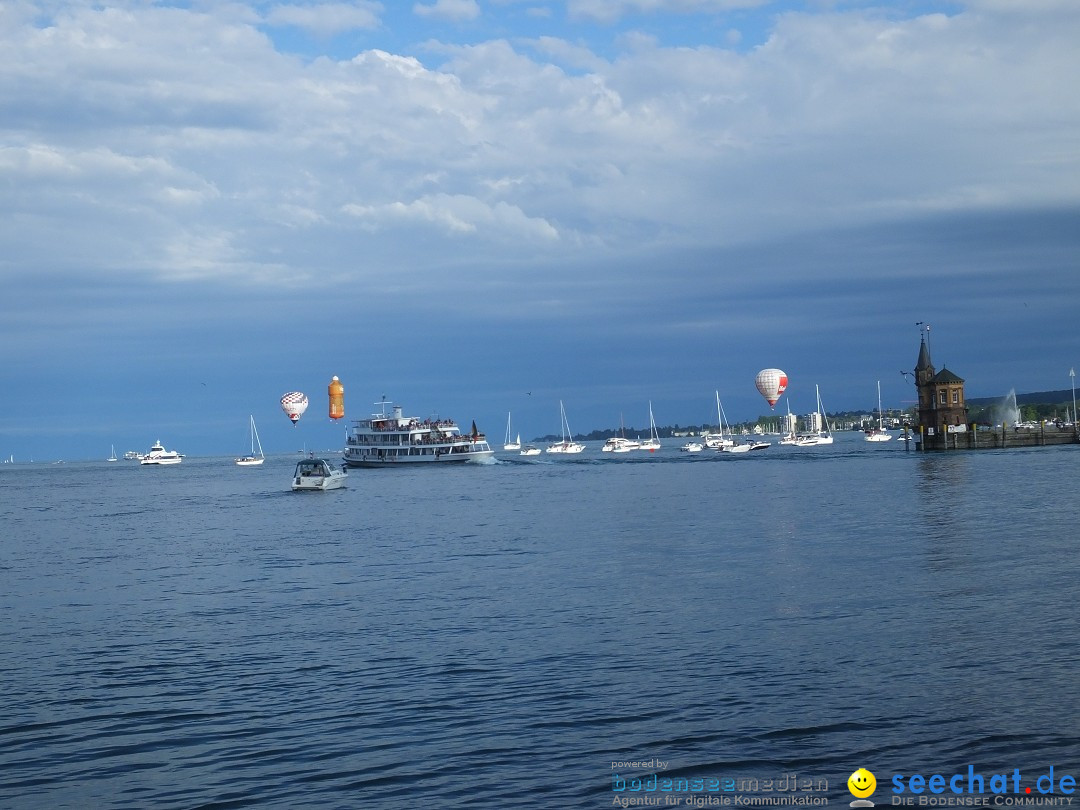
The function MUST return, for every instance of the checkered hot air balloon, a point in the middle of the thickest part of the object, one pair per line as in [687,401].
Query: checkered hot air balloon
[294,404]
[771,382]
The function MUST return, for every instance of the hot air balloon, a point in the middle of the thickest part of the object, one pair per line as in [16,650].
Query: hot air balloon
[336,392]
[294,404]
[771,382]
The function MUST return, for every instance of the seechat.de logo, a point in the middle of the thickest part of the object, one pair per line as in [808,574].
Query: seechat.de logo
[862,784]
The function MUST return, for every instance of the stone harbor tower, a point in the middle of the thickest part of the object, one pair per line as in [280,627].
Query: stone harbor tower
[941,399]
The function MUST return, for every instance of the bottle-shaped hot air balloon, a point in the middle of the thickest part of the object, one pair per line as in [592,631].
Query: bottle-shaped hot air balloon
[294,404]
[771,383]
[336,392]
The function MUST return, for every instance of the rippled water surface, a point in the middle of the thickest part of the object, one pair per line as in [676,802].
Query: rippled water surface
[497,636]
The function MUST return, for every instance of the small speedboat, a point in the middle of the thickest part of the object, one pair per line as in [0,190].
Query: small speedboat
[317,474]
[692,447]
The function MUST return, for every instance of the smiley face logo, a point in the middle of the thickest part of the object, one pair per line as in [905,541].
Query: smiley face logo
[862,783]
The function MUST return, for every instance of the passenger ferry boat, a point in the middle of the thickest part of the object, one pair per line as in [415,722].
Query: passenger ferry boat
[385,440]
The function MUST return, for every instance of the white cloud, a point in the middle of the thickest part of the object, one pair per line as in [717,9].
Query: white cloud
[455,10]
[458,215]
[608,11]
[162,122]
[326,19]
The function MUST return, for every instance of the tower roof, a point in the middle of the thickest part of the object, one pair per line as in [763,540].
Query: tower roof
[945,376]
[924,357]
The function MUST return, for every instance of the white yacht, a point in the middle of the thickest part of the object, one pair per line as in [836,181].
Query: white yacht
[317,475]
[252,460]
[814,439]
[159,455]
[567,445]
[878,434]
[692,447]
[529,450]
[386,440]
[718,441]
[508,443]
[746,447]
[652,444]
[620,444]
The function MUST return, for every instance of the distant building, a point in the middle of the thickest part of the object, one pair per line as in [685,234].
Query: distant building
[941,397]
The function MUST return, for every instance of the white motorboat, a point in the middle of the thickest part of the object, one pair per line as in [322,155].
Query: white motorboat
[692,447]
[746,447]
[620,444]
[567,445]
[878,434]
[389,439]
[529,450]
[252,460]
[735,448]
[317,475]
[159,455]
[507,443]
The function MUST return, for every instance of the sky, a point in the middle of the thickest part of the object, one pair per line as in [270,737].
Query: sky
[476,208]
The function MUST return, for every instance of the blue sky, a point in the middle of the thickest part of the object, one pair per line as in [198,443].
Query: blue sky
[481,207]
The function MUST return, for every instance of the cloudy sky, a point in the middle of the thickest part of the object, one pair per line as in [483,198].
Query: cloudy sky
[480,206]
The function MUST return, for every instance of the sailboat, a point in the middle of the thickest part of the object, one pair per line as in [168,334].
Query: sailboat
[567,445]
[727,443]
[507,444]
[717,441]
[112,453]
[652,444]
[791,437]
[823,436]
[252,460]
[878,434]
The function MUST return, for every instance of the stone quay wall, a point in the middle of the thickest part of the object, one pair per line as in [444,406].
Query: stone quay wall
[999,438]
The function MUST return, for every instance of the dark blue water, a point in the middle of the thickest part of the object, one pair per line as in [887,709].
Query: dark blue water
[497,636]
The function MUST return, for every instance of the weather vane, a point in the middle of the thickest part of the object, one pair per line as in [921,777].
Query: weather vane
[924,328]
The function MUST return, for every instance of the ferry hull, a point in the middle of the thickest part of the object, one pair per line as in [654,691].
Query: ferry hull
[393,460]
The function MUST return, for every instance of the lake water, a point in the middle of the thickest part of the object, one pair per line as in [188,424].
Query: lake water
[530,633]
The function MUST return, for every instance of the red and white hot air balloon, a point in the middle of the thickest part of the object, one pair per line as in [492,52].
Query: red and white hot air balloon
[294,404]
[771,382]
